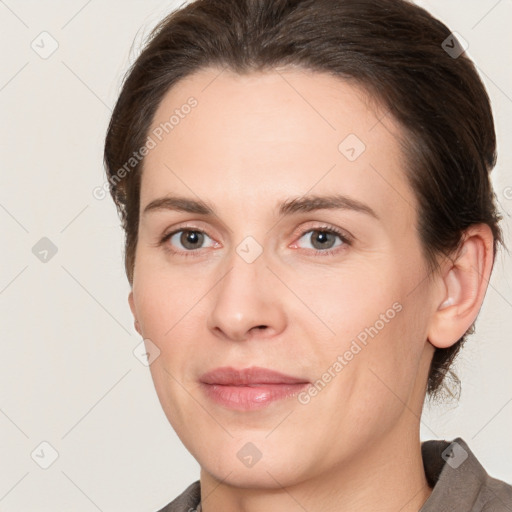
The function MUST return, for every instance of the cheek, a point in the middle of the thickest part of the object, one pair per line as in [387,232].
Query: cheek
[167,306]
[358,303]
[164,300]
[377,324]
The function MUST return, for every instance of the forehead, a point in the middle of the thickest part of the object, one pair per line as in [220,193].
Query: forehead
[261,137]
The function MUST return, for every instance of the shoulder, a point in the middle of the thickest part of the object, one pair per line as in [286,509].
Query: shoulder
[187,501]
[495,496]
[459,481]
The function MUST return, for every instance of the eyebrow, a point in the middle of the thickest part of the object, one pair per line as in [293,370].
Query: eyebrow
[302,204]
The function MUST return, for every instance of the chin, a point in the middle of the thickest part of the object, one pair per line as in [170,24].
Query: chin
[251,461]
[261,476]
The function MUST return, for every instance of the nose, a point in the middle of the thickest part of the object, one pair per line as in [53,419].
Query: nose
[246,303]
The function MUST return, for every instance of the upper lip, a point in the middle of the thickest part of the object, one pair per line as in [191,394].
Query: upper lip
[228,375]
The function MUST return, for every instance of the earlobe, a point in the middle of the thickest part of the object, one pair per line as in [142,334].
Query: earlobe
[131,302]
[463,285]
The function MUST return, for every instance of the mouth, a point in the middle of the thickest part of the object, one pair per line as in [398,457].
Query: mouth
[249,388]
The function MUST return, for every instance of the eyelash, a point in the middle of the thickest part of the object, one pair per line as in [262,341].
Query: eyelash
[195,252]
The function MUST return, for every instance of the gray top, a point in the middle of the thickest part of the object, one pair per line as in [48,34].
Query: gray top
[460,483]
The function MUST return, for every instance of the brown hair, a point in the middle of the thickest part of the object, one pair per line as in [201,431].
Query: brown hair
[394,49]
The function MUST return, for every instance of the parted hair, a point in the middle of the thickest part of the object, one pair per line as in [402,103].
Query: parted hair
[403,57]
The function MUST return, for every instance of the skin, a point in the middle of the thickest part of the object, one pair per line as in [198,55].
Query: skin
[252,142]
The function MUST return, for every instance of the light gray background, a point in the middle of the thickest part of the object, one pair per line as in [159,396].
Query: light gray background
[68,375]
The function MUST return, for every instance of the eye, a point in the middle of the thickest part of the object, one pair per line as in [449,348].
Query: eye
[323,240]
[189,239]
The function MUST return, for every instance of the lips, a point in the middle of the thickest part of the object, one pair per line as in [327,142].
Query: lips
[249,388]
[228,376]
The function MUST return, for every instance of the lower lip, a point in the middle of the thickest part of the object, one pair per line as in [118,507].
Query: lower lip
[257,396]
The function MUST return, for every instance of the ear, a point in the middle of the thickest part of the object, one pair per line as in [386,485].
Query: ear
[132,307]
[463,283]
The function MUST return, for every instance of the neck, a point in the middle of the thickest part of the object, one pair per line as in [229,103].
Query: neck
[388,476]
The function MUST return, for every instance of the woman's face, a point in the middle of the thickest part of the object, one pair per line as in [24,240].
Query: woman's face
[309,264]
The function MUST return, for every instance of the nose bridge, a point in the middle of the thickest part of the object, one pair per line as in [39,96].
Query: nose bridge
[244,298]
[246,262]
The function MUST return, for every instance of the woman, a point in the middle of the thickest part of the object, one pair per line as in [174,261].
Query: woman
[310,230]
